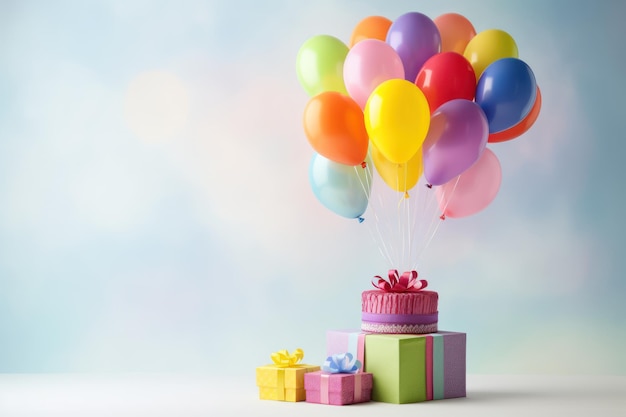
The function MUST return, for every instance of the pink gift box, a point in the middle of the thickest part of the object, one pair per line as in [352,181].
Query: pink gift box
[338,389]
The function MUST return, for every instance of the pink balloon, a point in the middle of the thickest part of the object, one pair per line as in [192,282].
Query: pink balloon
[473,190]
[369,63]
[456,138]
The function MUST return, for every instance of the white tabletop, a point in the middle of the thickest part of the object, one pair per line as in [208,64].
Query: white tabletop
[179,395]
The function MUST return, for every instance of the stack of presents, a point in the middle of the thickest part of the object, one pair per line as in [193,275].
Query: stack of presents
[397,356]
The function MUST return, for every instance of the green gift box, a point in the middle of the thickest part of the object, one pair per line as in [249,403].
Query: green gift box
[414,368]
[399,367]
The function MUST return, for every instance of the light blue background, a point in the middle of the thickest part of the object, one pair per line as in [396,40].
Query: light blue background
[190,241]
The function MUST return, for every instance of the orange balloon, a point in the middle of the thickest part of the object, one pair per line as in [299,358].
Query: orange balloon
[335,128]
[456,32]
[372,27]
[520,128]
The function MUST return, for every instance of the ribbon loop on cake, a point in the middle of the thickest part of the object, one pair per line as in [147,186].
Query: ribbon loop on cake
[284,359]
[341,363]
[407,282]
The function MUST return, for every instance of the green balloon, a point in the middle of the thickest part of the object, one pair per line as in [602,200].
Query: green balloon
[319,65]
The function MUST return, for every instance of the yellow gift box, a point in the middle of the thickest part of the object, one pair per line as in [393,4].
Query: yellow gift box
[284,379]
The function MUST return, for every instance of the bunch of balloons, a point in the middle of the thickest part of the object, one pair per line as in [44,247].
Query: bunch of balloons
[417,97]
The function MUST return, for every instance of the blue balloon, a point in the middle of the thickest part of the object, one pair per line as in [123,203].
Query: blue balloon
[506,91]
[343,189]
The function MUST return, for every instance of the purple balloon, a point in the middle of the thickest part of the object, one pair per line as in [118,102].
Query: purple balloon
[415,37]
[456,139]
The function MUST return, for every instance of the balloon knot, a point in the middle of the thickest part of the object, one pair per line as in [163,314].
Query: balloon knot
[429,185]
[406,194]
[442,217]
[361,219]
[363,164]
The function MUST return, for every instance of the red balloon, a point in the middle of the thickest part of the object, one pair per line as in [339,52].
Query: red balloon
[520,128]
[446,76]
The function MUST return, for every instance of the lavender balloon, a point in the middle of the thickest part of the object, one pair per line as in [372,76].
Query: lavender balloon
[456,139]
[415,38]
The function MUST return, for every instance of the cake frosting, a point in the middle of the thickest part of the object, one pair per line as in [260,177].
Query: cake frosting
[399,305]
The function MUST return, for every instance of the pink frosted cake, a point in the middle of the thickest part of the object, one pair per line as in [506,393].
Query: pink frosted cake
[399,305]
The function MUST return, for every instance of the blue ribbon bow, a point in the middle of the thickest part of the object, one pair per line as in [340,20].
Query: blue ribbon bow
[341,363]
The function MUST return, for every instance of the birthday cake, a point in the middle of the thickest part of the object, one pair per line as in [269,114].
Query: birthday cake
[399,305]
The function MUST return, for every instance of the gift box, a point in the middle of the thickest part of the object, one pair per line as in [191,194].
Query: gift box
[284,379]
[340,382]
[409,368]
[414,368]
[338,389]
[351,341]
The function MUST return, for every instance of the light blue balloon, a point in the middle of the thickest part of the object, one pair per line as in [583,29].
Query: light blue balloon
[343,189]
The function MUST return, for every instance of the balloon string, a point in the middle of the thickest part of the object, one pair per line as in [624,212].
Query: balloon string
[408,220]
[400,229]
[436,220]
[447,200]
[382,242]
[382,247]
[402,241]
[422,223]
[389,231]
[389,235]
[430,230]
[408,213]
[367,189]
[408,231]
[417,225]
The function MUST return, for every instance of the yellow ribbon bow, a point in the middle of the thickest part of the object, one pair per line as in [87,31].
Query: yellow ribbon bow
[283,359]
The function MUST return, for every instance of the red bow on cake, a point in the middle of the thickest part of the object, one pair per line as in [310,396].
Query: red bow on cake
[407,282]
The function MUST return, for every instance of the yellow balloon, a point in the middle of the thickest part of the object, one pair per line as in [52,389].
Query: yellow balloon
[489,46]
[399,177]
[397,118]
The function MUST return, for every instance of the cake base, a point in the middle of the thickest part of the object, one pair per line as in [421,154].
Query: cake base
[391,328]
